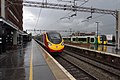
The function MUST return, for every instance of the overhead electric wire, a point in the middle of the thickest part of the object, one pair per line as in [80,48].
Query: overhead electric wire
[92,18]
[38,18]
[59,19]
[67,14]
[84,3]
[75,11]
[71,12]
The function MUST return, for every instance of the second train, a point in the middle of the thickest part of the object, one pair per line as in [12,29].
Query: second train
[101,39]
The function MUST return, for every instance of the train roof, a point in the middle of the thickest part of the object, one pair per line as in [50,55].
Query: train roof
[52,32]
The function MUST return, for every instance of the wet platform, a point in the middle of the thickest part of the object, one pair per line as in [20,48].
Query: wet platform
[31,62]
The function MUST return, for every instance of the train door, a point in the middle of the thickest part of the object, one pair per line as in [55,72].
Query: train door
[88,39]
[102,39]
[45,36]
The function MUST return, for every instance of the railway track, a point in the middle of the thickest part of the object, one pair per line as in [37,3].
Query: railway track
[93,69]
[83,67]
[68,62]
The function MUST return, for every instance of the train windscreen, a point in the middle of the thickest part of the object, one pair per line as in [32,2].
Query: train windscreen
[54,38]
[103,38]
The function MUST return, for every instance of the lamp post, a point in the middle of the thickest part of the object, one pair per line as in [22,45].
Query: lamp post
[97,32]
[70,34]
[97,27]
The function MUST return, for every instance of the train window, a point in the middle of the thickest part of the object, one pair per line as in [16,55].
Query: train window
[80,39]
[76,39]
[73,39]
[84,39]
[64,38]
[92,39]
[69,39]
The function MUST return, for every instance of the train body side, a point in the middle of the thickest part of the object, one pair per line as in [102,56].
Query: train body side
[87,39]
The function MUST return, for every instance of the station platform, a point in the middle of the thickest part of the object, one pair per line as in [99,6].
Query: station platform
[32,62]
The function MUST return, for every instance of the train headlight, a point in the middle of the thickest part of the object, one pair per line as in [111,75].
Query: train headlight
[49,44]
[62,44]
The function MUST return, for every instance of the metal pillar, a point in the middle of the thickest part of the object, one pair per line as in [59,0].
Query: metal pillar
[117,30]
[97,28]
[4,45]
[15,38]
[3,8]
[0,38]
[97,33]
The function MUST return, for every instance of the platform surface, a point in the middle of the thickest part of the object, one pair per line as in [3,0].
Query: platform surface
[30,62]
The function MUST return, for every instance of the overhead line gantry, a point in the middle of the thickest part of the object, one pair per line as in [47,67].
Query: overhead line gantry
[67,7]
[115,13]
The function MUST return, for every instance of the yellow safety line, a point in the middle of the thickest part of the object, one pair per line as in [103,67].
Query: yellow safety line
[31,66]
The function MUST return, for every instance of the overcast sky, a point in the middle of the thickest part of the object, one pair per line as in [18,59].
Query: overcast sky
[51,19]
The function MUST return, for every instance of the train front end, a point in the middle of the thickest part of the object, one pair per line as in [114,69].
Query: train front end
[54,42]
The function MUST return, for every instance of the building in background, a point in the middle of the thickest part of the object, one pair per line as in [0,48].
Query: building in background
[11,24]
[12,13]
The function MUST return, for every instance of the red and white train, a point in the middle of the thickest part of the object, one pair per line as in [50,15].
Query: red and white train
[52,41]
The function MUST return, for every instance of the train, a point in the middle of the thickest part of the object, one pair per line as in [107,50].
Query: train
[101,39]
[52,41]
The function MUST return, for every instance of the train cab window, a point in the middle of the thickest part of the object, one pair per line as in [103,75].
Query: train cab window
[100,38]
[92,39]
[54,37]
[103,38]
